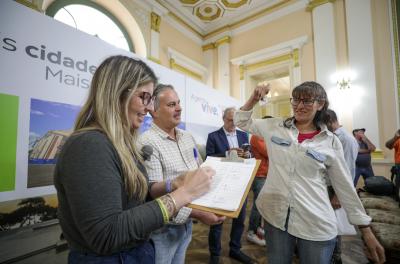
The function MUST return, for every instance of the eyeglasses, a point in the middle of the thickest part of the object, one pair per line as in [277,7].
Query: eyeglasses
[306,102]
[146,97]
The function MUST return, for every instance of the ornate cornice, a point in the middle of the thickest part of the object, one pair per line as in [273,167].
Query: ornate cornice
[282,58]
[29,4]
[208,46]
[155,22]
[221,41]
[241,71]
[154,59]
[315,3]
[295,55]
[175,66]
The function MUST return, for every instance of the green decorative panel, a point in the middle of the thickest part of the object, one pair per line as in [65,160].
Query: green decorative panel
[8,141]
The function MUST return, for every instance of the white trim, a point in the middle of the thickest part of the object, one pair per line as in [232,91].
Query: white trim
[267,53]
[186,62]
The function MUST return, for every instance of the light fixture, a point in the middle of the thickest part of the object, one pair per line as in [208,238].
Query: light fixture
[343,79]
[343,83]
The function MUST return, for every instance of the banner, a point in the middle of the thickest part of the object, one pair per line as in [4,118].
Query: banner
[46,68]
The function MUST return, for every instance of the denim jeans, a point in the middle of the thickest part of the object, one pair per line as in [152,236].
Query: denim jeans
[171,242]
[143,254]
[255,217]
[214,236]
[364,171]
[281,245]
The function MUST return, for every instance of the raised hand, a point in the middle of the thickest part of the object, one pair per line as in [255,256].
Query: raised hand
[259,92]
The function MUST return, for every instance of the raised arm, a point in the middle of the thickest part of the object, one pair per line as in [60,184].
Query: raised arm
[259,92]
[371,147]
[390,143]
[242,118]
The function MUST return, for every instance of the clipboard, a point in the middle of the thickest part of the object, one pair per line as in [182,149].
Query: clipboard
[232,214]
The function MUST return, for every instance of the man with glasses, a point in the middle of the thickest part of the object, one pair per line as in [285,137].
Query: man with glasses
[219,144]
[174,152]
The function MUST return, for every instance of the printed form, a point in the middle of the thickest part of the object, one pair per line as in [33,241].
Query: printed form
[228,185]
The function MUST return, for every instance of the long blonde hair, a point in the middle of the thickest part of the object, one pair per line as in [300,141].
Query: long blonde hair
[106,109]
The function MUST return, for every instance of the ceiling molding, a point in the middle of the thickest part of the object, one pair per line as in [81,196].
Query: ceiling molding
[299,5]
[275,10]
[251,10]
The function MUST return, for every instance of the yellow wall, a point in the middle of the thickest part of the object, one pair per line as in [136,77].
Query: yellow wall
[284,29]
[171,37]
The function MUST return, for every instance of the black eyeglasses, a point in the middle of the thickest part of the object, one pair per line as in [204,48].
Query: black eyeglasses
[306,102]
[146,97]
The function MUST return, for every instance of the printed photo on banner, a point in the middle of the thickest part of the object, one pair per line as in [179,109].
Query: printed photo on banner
[50,125]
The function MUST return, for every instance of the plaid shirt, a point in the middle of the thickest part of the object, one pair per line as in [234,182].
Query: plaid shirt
[170,158]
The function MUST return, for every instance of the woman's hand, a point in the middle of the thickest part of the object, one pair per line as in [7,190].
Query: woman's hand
[199,181]
[375,250]
[195,183]
[259,92]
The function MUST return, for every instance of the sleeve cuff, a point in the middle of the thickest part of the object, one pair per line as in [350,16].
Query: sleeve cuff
[182,216]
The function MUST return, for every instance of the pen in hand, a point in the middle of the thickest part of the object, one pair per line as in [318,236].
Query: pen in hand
[196,157]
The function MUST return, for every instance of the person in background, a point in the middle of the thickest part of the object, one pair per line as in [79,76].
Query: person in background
[255,234]
[100,178]
[219,144]
[350,151]
[394,143]
[174,152]
[294,200]
[363,162]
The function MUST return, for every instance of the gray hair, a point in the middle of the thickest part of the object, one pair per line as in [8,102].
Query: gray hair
[227,110]
[156,94]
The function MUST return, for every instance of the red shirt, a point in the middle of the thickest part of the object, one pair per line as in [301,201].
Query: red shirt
[260,152]
[396,147]
[305,136]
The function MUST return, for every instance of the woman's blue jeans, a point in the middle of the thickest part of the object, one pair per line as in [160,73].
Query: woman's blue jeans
[142,254]
[281,246]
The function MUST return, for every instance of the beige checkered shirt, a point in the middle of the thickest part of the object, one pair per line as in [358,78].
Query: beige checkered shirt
[170,157]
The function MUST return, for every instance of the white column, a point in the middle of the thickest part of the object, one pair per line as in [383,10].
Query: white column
[208,52]
[324,45]
[296,70]
[223,49]
[361,61]
[155,37]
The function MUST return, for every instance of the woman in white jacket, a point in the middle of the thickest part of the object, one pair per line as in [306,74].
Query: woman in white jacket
[294,200]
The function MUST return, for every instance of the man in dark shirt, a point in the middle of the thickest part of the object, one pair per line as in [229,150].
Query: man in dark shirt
[363,162]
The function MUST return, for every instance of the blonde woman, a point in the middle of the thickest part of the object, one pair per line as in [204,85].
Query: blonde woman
[100,178]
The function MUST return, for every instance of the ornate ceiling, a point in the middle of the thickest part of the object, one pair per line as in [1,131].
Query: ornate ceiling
[206,16]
